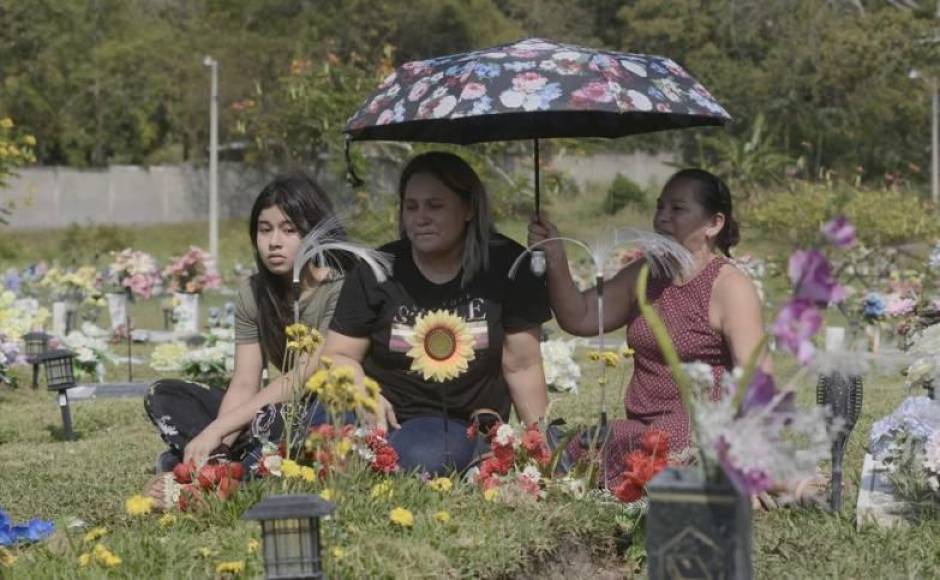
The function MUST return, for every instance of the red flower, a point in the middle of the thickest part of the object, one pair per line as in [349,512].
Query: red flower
[235,470]
[656,442]
[505,455]
[627,491]
[227,488]
[190,498]
[473,430]
[209,475]
[183,472]
[325,431]
[385,460]
[534,443]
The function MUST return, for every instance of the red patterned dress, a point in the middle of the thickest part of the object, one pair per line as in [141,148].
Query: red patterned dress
[652,398]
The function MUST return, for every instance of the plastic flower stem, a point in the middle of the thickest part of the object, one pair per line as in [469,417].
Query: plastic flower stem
[749,369]
[658,327]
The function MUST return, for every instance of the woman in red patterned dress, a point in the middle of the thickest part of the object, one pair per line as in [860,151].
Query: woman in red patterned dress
[713,313]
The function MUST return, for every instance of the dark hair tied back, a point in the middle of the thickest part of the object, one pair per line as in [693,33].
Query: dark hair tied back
[713,194]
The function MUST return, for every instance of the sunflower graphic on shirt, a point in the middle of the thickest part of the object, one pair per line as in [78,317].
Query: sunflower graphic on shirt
[441,346]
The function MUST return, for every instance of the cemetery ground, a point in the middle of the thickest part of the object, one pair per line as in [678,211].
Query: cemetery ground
[90,479]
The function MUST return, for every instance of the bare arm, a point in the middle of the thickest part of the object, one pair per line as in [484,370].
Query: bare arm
[244,398]
[576,311]
[522,367]
[736,308]
[351,351]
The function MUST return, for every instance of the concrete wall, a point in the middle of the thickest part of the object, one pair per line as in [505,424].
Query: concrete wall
[49,197]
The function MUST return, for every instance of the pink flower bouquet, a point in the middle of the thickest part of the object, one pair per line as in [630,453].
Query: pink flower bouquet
[135,271]
[191,273]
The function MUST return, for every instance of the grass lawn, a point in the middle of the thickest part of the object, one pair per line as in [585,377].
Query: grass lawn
[89,479]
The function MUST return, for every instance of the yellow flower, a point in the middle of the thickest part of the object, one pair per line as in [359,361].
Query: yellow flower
[441,484]
[84,560]
[138,505]
[6,557]
[490,494]
[441,346]
[253,546]
[383,490]
[308,474]
[442,516]
[29,140]
[290,468]
[303,339]
[95,534]
[327,494]
[105,557]
[402,517]
[206,552]
[6,123]
[343,447]
[594,355]
[627,352]
[338,553]
[167,520]
[236,567]
[611,359]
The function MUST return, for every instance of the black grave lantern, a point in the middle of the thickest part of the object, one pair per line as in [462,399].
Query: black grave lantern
[290,532]
[60,377]
[36,344]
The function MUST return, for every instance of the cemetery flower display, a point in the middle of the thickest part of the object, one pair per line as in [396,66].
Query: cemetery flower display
[134,271]
[91,352]
[17,317]
[78,285]
[211,364]
[562,372]
[192,272]
[9,355]
[517,466]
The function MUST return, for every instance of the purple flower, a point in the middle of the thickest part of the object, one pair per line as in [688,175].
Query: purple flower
[759,392]
[750,481]
[811,277]
[12,280]
[796,324]
[839,232]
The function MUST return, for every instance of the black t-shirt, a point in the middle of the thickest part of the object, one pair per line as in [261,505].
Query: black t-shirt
[491,305]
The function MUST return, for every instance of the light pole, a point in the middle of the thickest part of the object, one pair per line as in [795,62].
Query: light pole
[934,134]
[213,159]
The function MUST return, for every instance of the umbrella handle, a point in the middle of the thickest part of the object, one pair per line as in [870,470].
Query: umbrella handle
[351,176]
[535,151]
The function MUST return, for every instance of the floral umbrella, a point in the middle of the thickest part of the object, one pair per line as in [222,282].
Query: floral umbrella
[533,89]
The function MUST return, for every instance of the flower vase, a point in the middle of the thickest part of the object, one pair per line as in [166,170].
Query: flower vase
[117,309]
[874,334]
[60,317]
[186,313]
[697,528]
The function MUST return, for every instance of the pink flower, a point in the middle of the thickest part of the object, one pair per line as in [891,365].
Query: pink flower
[839,232]
[594,92]
[796,324]
[811,277]
[898,306]
[472,91]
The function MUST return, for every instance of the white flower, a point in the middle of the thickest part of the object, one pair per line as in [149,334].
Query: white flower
[531,473]
[932,453]
[700,374]
[273,464]
[561,370]
[505,435]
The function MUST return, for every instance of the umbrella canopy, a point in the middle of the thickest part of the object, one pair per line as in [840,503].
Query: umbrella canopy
[533,89]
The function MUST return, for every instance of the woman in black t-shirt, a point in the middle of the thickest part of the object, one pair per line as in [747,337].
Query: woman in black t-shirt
[448,334]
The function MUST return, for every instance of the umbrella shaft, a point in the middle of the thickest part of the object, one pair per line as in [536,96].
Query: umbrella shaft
[535,150]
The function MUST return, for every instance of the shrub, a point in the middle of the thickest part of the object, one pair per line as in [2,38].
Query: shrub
[623,191]
[881,218]
[79,242]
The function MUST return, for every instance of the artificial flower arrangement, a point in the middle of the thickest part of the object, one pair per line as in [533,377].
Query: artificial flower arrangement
[562,371]
[80,285]
[907,443]
[191,273]
[211,364]
[134,272]
[18,317]
[91,351]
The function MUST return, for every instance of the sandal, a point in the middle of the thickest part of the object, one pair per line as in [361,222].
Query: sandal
[164,491]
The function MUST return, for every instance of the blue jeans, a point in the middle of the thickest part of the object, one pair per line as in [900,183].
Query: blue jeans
[433,445]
